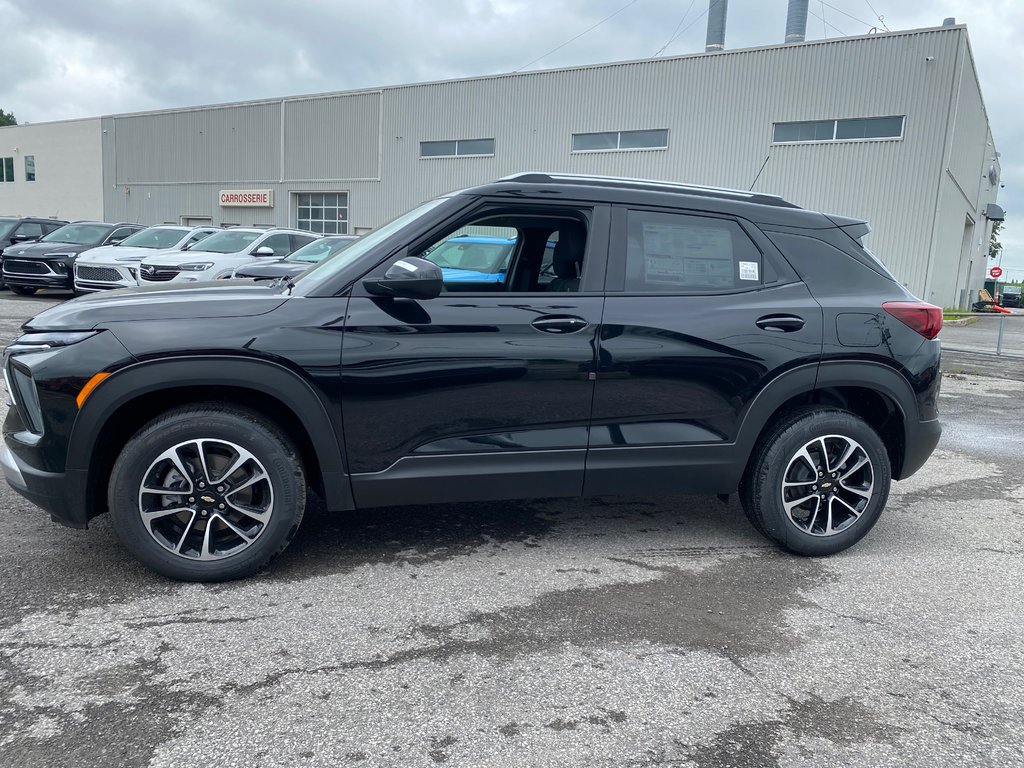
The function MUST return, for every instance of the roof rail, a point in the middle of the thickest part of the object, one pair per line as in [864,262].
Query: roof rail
[540,177]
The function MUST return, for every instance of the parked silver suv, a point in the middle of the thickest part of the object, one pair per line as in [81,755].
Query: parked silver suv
[117,266]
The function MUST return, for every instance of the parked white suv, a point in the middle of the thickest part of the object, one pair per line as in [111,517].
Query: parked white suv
[117,266]
[218,255]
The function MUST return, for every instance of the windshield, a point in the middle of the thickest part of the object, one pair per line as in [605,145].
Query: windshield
[1013,290]
[318,250]
[6,226]
[229,241]
[336,262]
[77,234]
[155,237]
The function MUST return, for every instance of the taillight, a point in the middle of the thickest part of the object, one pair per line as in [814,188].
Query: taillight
[922,317]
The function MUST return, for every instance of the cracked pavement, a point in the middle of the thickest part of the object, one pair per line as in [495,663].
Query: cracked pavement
[608,632]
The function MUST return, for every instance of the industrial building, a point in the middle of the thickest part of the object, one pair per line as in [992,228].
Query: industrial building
[886,127]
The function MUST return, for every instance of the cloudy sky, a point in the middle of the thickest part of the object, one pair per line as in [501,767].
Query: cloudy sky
[78,58]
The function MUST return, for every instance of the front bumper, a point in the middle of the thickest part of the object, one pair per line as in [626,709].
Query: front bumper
[89,277]
[51,280]
[52,492]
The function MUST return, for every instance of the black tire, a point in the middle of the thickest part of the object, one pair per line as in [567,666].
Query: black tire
[23,290]
[777,459]
[280,487]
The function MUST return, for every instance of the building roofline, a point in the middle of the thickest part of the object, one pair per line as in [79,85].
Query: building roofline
[538,72]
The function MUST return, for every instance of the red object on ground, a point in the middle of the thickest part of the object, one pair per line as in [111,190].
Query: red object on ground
[1004,310]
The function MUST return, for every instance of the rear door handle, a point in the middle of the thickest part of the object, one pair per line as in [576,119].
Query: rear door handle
[560,324]
[780,323]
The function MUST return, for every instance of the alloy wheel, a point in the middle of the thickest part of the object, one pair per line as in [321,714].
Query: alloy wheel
[827,485]
[206,499]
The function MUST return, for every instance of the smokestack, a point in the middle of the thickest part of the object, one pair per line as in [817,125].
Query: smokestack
[949,21]
[796,21]
[716,24]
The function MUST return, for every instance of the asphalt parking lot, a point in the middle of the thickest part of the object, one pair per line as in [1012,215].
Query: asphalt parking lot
[611,632]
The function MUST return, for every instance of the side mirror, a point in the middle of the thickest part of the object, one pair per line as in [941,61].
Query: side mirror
[263,250]
[186,246]
[23,238]
[408,278]
[116,241]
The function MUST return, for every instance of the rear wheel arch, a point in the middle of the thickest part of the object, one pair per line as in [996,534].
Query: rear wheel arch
[876,393]
[131,398]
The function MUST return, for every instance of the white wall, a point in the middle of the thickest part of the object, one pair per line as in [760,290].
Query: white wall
[69,170]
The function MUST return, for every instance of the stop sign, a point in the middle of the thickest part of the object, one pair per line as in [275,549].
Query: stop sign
[995,273]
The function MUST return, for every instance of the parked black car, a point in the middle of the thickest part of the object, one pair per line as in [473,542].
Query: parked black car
[690,340]
[1011,296]
[14,230]
[298,261]
[48,263]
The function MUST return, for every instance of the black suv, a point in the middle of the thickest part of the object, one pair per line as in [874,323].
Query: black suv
[683,340]
[14,229]
[49,262]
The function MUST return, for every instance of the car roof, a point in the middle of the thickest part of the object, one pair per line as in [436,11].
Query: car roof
[107,223]
[755,206]
[262,231]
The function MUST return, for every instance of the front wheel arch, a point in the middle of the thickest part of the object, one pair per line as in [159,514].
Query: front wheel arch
[132,397]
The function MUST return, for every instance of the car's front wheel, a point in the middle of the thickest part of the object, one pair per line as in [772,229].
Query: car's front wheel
[207,493]
[817,482]
[23,290]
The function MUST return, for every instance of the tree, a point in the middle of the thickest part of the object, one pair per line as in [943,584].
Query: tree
[6,118]
[994,246]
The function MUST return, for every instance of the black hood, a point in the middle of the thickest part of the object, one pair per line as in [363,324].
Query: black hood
[222,298]
[38,250]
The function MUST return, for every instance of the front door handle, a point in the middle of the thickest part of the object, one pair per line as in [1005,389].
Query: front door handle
[780,323]
[560,324]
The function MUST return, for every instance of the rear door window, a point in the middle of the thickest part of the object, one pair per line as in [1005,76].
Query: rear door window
[684,253]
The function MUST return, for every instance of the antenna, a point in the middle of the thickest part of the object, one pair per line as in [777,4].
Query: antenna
[766,159]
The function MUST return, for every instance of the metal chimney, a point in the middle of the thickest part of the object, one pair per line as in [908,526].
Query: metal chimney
[716,24]
[796,21]
[949,21]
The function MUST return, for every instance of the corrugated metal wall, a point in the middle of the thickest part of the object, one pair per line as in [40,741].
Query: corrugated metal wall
[332,137]
[719,110]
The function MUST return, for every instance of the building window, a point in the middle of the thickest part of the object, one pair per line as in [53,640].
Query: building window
[323,212]
[458,148]
[611,141]
[852,129]
[7,169]
[30,167]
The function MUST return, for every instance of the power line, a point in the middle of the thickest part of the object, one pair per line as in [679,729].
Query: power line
[674,31]
[840,10]
[824,29]
[880,17]
[837,29]
[581,34]
[684,29]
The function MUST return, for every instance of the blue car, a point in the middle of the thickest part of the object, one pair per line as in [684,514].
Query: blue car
[481,259]
[473,258]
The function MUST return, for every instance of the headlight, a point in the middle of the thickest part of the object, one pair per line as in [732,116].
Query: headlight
[36,341]
[59,255]
[201,266]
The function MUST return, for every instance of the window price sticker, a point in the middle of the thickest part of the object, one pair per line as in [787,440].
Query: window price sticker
[748,270]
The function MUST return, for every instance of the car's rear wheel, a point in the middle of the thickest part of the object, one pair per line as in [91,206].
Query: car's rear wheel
[23,290]
[817,482]
[207,493]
